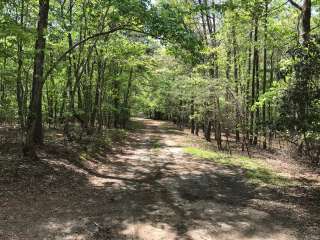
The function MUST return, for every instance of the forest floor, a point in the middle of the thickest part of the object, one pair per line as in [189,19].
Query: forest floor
[156,183]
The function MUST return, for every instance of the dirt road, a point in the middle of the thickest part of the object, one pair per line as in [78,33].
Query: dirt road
[150,190]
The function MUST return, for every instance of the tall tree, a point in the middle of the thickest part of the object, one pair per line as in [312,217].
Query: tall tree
[34,122]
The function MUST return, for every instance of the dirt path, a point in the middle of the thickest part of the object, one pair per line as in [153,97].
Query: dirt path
[150,190]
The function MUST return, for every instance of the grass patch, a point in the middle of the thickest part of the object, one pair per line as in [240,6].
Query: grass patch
[255,170]
[155,144]
[84,156]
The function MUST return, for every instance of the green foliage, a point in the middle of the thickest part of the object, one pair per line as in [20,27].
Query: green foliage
[187,61]
[299,109]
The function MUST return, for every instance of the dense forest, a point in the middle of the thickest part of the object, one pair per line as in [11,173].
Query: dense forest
[248,68]
[242,76]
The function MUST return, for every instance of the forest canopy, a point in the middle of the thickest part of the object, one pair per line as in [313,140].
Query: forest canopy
[249,69]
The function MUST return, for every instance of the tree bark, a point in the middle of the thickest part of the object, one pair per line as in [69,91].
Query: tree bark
[304,73]
[305,10]
[248,100]
[236,80]
[257,118]
[192,117]
[253,83]
[270,115]
[19,85]
[34,123]
[254,118]
[264,84]
[203,23]
[125,110]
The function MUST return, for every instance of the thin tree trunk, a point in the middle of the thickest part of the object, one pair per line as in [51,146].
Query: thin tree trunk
[236,80]
[253,121]
[218,125]
[257,120]
[126,114]
[98,90]
[192,118]
[248,100]
[253,88]
[264,84]
[203,21]
[270,115]
[19,86]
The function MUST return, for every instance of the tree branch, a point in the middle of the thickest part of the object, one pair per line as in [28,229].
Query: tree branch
[77,44]
[296,5]
[125,28]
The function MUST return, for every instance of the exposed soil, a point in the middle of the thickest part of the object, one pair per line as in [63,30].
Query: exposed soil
[147,188]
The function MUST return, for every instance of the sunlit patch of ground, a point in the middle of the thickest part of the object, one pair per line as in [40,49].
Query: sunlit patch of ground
[278,158]
[152,185]
[147,231]
[255,170]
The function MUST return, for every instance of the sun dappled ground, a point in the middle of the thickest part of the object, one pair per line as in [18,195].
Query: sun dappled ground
[153,184]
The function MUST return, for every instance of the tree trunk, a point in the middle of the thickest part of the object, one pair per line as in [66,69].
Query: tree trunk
[306,21]
[19,86]
[264,84]
[125,111]
[101,66]
[248,100]
[253,121]
[192,118]
[257,120]
[203,23]
[236,80]
[34,122]
[305,11]
[253,86]
[207,133]
[270,115]
[218,125]
[304,73]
